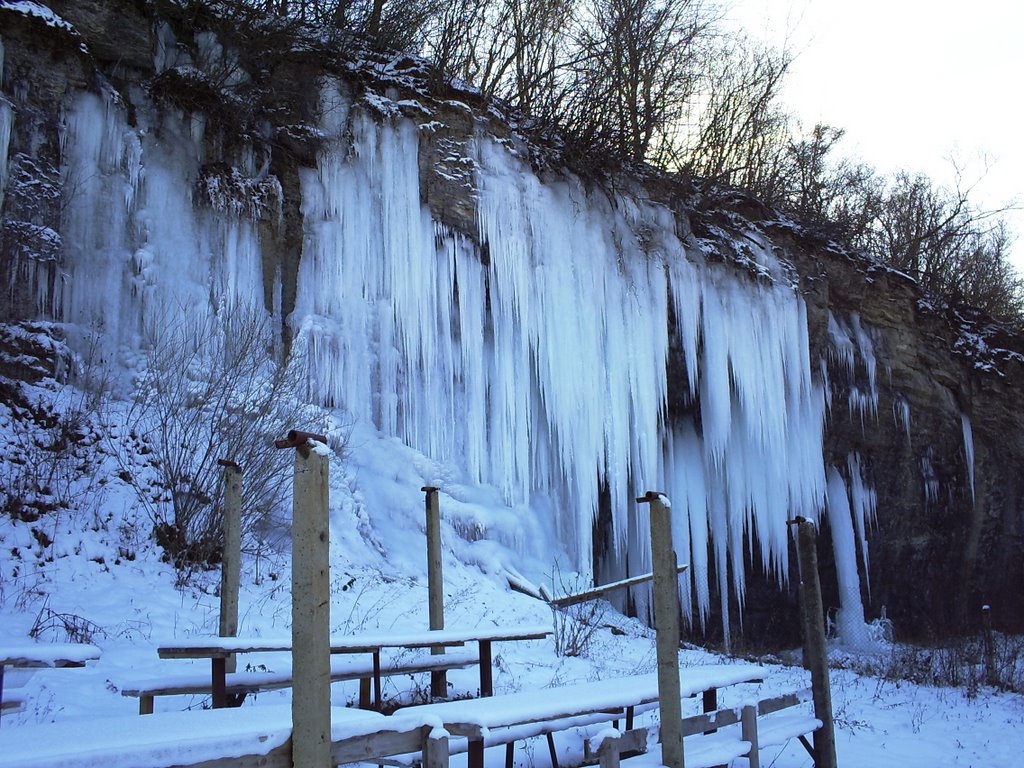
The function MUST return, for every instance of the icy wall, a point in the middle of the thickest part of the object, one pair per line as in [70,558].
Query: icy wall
[571,344]
[535,355]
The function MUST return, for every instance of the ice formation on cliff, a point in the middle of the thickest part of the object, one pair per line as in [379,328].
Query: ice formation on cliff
[533,354]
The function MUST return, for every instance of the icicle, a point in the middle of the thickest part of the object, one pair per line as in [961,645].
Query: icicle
[844,348]
[930,479]
[965,422]
[850,623]
[138,254]
[6,123]
[167,52]
[841,349]
[901,414]
[865,346]
[862,494]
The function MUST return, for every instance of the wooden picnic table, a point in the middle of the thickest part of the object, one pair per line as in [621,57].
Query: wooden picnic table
[615,698]
[44,655]
[219,649]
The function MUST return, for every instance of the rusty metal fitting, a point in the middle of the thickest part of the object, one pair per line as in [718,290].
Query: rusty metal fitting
[297,439]
[648,497]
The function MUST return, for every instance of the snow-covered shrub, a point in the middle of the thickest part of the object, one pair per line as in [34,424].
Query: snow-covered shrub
[54,626]
[575,625]
[211,390]
[961,662]
[47,460]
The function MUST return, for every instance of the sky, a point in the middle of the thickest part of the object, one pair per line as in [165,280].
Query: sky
[915,83]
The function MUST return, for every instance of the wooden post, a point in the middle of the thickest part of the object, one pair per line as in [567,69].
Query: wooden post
[435,748]
[666,627]
[608,752]
[486,669]
[815,649]
[710,701]
[435,584]
[804,629]
[231,554]
[311,646]
[748,732]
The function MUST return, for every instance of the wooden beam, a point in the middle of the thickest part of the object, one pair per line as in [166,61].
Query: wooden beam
[601,590]
[787,700]
[371,746]
[435,748]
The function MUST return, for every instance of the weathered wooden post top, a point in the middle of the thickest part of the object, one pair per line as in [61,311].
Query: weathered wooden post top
[311,624]
[666,627]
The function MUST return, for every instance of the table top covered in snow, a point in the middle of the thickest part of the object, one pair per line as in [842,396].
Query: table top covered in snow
[209,647]
[472,717]
[47,654]
[175,738]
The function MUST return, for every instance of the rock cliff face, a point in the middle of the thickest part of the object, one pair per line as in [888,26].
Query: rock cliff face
[923,421]
[942,445]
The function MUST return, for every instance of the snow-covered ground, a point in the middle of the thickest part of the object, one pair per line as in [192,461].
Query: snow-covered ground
[101,580]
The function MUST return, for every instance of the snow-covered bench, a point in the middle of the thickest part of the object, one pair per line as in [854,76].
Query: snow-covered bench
[378,645]
[709,740]
[508,718]
[12,703]
[22,656]
[239,684]
[247,737]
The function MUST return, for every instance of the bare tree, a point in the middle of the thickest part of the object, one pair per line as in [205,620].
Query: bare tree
[923,229]
[210,390]
[735,131]
[454,37]
[811,182]
[641,68]
[937,235]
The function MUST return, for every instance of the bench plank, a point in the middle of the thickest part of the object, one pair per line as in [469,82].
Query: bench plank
[219,647]
[47,654]
[12,704]
[238,683]
[777,730]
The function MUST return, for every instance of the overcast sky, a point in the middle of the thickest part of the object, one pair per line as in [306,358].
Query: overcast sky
[913,82]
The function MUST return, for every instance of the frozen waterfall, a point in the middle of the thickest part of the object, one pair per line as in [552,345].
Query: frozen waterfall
[534,355]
